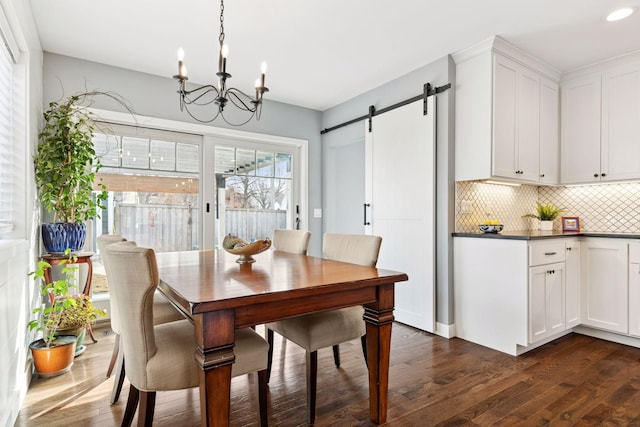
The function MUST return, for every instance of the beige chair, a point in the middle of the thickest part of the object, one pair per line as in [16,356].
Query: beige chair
[160,357]
[294,241]
[163,312]
[329,328]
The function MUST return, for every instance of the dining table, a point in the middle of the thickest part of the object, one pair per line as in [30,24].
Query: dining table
[221,295]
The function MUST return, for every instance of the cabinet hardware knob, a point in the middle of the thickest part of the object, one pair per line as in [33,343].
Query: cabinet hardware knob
[541,175]
[604,174]
[595,175]
[550,253]
[569,248]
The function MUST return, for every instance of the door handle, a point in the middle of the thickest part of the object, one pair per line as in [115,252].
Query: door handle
[366,205]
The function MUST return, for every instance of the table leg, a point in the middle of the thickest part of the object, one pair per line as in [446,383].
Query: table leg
[215,334]
[379,320]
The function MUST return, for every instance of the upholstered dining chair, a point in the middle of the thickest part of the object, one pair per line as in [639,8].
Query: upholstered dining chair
[163,312]
[294,241]
[329,328]
[160,357]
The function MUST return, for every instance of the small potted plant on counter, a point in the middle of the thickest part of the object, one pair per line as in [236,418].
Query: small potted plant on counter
[546,214]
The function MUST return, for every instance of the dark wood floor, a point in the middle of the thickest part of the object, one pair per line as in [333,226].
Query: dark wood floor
[576,380]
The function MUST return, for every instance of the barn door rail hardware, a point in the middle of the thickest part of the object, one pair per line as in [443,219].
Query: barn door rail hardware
[427,91]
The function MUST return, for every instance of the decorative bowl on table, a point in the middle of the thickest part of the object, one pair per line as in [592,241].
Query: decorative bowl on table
[491,228]
[236,246]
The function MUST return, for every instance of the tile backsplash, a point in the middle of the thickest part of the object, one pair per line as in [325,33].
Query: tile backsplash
[613,208]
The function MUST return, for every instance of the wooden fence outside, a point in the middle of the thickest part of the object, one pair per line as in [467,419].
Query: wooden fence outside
[169,228]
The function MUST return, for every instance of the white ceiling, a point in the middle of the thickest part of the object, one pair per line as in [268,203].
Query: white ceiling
[323,52]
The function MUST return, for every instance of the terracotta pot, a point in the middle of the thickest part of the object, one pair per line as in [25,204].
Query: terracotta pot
[55,360]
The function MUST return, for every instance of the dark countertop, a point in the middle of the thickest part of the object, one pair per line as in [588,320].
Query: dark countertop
[537,235]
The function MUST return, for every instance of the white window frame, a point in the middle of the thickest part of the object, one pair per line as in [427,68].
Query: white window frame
[211,133]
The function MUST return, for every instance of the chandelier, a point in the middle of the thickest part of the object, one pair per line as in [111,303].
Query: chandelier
[220,94]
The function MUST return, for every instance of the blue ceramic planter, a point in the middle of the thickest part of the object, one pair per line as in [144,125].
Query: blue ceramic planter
[60,236]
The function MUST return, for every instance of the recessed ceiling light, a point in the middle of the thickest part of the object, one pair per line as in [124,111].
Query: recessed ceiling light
[619,14]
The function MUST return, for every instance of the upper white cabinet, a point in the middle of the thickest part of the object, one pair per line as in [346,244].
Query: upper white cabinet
[506,115]
[601,125]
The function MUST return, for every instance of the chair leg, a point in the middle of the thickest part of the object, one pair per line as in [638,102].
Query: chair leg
[146,408]
[262,397]
[336,355]
[363,340]
[270,353]
[312,375]
[132,404]
[119,378]
[114,355]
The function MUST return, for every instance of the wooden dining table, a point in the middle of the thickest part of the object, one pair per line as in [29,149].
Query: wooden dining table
[220,296]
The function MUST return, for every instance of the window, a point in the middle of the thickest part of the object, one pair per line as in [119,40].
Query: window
[13,145]
[7,169]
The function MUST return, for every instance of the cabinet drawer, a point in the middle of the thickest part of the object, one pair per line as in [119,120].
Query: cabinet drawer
[634,252]
[545,253]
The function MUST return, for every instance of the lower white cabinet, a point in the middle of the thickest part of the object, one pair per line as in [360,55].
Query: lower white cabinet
[604,284]
[546,300]
[572,282]
[634,289]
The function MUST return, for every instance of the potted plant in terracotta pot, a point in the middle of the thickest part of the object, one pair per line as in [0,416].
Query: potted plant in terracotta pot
[546,214]
[65,170]
[53,353]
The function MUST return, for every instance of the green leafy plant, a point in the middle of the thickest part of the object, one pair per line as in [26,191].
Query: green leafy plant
[49,318]
[82,313]
[547,212]
[66,163]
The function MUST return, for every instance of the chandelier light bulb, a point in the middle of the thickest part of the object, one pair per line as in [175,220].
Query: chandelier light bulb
[263,67]
[225,50]
[180,54]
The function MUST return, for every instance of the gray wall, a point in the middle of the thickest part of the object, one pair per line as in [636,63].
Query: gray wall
[437,73]
[156,96]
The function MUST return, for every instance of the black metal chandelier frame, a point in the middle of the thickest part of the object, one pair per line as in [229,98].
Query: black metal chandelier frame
[219,94]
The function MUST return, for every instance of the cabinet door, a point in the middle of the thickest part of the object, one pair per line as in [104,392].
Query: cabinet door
[549,132]
[604,284]
[528,129]
[504,117]
[620,151]
[572,284]
[546,300]
[634,299]
[580,130]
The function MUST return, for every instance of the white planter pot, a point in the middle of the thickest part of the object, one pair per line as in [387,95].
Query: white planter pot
[546,225]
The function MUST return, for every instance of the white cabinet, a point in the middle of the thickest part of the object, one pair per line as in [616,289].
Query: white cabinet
[620,152]
[604,284]
[546,289]
[580,136]
[546,300]
[634,289]
[601,126]
[506,116]
[572,283]
[516,120]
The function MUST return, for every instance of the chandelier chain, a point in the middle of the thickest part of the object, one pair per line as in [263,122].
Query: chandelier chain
[221,36]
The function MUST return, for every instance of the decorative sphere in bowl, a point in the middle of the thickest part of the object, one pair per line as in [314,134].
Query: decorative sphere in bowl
[491,228]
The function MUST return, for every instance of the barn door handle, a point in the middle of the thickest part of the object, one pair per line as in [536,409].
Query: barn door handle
[366,205]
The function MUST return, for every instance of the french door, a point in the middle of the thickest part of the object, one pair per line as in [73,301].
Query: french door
[256,189]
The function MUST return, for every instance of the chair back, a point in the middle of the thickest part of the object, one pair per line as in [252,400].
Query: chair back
[103,241]
[353,248]
[294,241]
[133,274]
[106,239]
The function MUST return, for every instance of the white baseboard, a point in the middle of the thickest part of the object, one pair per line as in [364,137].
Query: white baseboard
[609,336]
[446,331]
